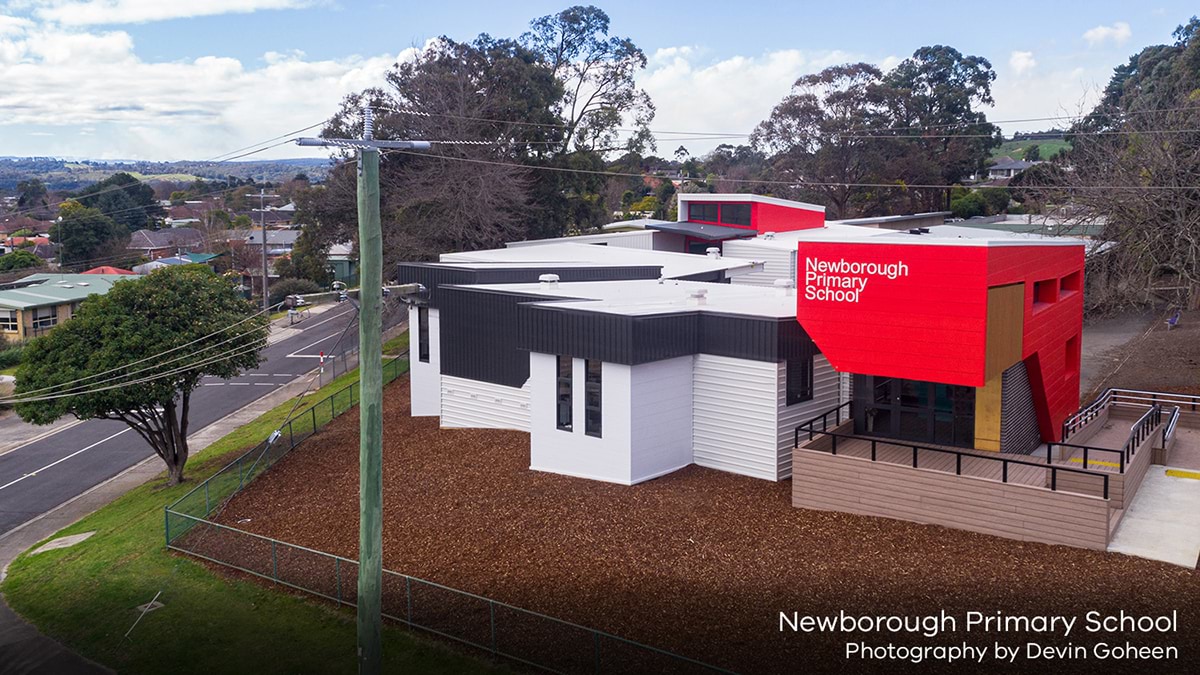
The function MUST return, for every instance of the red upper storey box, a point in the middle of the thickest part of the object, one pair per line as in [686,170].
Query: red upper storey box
[754,213]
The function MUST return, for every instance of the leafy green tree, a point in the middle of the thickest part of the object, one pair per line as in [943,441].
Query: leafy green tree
[137,353]
[19,260]
[123,198]
[285,287]
[935,95]
[86,234]
[23,232]
[807,133]
[31,194]
[1033,153]
[308,261]
[969,205]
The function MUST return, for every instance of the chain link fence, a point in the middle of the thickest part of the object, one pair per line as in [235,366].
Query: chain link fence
[500,629]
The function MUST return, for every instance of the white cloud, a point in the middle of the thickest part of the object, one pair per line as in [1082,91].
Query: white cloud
[110,12]
[190,109]
[731,96]
[1021,62]
[1118,33]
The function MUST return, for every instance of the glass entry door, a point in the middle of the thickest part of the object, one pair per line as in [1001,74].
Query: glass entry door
[914,410]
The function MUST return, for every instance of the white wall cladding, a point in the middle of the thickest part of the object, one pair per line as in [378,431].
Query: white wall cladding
[574,453]
[735,408]
[483,405]
[425,378]
[827,391]
[661,417]
[742,423]
[778,263]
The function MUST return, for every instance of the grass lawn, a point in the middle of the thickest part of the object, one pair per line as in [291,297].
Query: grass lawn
[9,371]
[1046,148]
[85,596]
[397,346]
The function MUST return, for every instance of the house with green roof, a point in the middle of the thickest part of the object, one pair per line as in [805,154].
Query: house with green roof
[32,306]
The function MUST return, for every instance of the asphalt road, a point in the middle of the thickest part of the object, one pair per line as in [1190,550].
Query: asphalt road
[39,476]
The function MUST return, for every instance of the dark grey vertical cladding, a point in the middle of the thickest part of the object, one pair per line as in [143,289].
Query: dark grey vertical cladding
[755,338]
[1018,418]
[581,334]
[479,341]
[665,337]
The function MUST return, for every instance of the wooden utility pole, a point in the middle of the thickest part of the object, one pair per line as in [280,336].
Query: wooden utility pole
[370,381]
[262,226]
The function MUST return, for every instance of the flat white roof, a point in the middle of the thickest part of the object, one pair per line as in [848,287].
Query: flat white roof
[830,232]
[949,235]
[674,265]
[746,197]
[582,238]
[646,296]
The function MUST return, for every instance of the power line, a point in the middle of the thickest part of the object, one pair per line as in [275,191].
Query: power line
[152,356]
[754,181]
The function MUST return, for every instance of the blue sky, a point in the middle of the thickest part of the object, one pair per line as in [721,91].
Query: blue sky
[166,80]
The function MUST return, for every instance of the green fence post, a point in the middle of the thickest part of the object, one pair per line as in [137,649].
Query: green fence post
[332,412]
[274,562]
[167,524]
[291,437]
[408,596]
[314,418]
[241,478]
[207,508]
[337,572]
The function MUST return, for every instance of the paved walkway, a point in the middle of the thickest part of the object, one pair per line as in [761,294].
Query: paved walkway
[25,651]
[1161,524]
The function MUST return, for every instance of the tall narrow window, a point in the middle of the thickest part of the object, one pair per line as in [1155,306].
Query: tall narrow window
[591,398]
[799,379]
[423,334]
[563,395]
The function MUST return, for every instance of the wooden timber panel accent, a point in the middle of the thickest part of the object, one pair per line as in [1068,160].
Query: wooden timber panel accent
[1005,324]
[828,482]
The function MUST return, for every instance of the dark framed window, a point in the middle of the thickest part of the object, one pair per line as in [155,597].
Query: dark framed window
[1072,283]
[735,214]
[799,379]
[592,414]
[563,394]
[1044,293]
[423,334]
[702,211]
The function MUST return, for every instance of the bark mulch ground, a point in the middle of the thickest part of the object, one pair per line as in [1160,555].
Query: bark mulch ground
[699,562]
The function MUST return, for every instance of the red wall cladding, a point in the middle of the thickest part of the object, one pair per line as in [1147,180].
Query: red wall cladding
[927,323]
[920,312]
[775,218]
[1050,327]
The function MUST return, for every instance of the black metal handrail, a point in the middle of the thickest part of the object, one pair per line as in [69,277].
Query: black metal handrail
[1142,429]
[824,419]
[1087,449]
[1132,397]
[958,457]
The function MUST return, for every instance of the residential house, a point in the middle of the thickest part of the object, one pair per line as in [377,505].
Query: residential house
[32,306]
[155,244]
[1007,167]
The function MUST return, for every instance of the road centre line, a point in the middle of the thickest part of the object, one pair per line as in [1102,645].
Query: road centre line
[59,461]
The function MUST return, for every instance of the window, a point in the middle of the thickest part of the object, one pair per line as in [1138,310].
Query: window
[8,320]
[799,379]
[423,334]
[1072,355]
[1045,292]
[44,317]
[564,393]
[591,398]
[1072,283]
[702,211]
[735,214]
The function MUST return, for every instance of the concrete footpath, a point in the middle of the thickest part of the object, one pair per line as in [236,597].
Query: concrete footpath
[23,650]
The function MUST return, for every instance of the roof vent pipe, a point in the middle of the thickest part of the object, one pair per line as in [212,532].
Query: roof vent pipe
[698,297]
[548,281]
[783,288]
[713,252]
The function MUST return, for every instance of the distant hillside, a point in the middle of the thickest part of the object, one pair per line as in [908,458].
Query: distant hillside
[1047,148]
[69,174]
